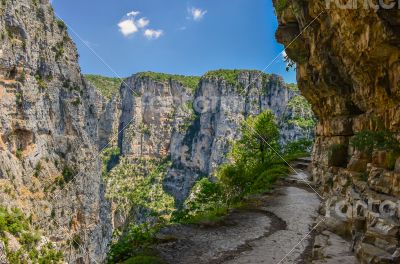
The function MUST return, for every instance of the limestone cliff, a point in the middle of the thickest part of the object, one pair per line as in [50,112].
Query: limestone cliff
[348,68]
[48,133]
[192,120]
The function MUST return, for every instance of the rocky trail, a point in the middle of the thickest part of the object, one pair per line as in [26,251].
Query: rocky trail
[265,231]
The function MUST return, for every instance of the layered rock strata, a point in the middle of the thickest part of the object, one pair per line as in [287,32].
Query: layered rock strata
[348,67]
[48,133]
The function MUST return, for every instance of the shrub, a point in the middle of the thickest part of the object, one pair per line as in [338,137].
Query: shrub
[68,174]
[38,169]
[295,149]
[367,141]
[206,202]
[41,82]
[12,221]
[136,238]
[61,25]
[18,153]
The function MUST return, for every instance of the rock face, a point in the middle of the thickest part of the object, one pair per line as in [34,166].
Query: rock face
[48,132]
[348,68]
[194,125]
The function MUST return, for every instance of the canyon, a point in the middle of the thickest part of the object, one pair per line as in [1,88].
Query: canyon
[63,142]
[55,125]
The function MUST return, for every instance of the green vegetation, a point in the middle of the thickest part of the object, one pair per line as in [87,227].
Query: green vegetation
[107,86]
[254,167]
[190,82]
[363,176]
[59,50]
[68,174]
[22,77]
[367,141]
[18,153]
[292,86]
[297,149]
[76,102]
[133,245]
[61,25]
[38,169]
[144,259]
[13,222]
[280,5]
[40,81]
[231,76]
[138,184]
[108,155]
[300,114]
[18,98]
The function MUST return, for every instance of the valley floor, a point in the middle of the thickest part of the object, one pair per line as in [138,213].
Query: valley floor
[265,231]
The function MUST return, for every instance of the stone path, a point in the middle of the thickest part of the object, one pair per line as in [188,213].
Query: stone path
[265,232]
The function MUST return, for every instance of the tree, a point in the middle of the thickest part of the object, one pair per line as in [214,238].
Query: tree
[260,135]
[253,154]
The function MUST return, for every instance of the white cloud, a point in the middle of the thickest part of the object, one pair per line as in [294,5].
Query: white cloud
[127,27]
[131,25]
[143,22]
[133,13]
[152,33]
[197,14]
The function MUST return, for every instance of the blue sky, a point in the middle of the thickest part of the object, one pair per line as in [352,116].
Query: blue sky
[187,37]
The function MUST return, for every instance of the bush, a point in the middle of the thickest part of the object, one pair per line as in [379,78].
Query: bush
[61,25]
[68,174]
[367,141]
[13,221]
[295,149]
[136,239]
[18,153]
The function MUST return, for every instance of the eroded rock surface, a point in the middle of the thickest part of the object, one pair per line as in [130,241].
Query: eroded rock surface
[195,125]
[48,132]
[348,68]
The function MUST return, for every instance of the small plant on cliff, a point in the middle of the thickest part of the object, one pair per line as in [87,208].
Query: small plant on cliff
[68,174]
[367,141]
[61,25]
[18,153]
[280,5]
[40,81]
